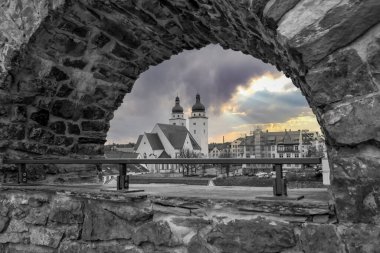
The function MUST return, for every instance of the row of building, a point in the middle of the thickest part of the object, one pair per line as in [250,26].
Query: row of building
[265,144]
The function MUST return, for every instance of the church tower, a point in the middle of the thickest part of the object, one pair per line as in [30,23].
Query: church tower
[177,115]
[198,125]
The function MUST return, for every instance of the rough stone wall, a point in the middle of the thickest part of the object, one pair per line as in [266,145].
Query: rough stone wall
[43,222]
[66,66]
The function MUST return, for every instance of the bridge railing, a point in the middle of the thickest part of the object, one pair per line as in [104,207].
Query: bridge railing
[279,182]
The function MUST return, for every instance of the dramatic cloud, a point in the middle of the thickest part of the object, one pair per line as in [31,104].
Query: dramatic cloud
[237,90]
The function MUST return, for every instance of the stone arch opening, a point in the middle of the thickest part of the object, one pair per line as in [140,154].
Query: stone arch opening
[66,66]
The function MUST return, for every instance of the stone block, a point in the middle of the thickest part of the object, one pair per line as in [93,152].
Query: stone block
[57,74]
[65,109]
[58,127]
[38,216]
[73,129]
[99,247]
[66,211]
[320,238]
[158,233]
[45,237]
[93,112]
[360,237]
[64,91]
[100,40]
[79,64]
[100,224]
[15,238]
[342,75]
[94,126]
[3,223]
[41,117]
[17,226]
[20,248]
[18,113]
[353,122]
[256,235]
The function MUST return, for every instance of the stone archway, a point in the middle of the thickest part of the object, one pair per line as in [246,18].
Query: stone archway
[66,66]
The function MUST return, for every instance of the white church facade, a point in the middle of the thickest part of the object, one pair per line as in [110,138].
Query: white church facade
[167,140]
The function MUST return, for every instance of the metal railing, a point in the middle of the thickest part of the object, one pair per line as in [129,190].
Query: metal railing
[279,182]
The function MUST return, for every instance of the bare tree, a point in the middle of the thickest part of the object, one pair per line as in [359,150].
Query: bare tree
[187,153]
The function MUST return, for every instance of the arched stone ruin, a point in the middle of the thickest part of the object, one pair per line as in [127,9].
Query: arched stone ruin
[66,65]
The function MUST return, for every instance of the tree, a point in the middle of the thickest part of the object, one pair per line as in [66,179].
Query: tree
[187,153]
[227,166]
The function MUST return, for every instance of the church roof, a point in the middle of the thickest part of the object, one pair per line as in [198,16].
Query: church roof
[164,155]
[138,142]
[177,135]
[154,141]
[198,106]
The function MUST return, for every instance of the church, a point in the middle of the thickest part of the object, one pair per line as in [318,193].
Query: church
[167,140]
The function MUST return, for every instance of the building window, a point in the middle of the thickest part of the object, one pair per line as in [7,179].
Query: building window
[287,155]
[281,155]
[272,155]
[173,123]
[195,131]
[296,147]
[204,131]
[182,124]
[199,114]
[204,123]
[296,155]
[194,123]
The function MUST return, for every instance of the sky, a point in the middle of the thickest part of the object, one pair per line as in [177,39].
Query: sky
[240,93]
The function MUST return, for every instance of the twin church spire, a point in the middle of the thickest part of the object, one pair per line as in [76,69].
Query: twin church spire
[198,122]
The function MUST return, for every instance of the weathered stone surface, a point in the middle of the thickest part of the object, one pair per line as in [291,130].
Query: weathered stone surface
[3,223]
[276,9]
[315,30]
[93,126]
[339,121]
[157,233]
[14,237]
[41,117]
[19,248]
[64,91]
[360,237]
[342,75]
[198,244]
[58,127]
[320,238]
[73,129]
[67,211]
[17,226]
[37,216]
[98,247]
[65,109]
[258,235]
[100,224]
[45,237]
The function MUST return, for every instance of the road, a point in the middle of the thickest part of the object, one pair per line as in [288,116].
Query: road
[224,192]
